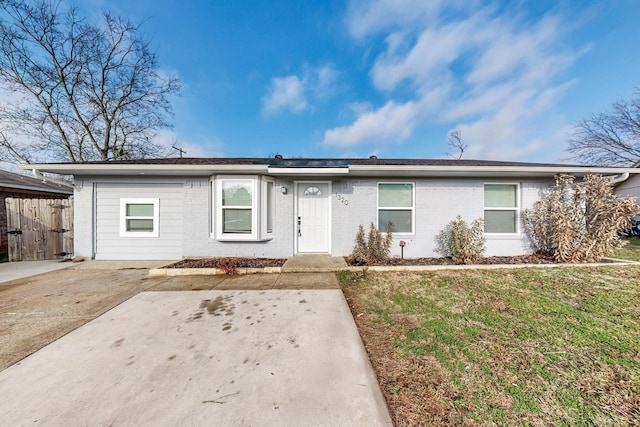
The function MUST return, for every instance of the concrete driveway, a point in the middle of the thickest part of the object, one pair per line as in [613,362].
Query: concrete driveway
[211,357]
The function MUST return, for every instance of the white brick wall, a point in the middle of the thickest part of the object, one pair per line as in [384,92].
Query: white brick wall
[353,202]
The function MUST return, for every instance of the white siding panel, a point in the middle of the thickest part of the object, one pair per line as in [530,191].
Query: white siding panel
[168,244]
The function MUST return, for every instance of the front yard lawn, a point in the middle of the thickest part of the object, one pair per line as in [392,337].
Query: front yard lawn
[547,346]
[631,251]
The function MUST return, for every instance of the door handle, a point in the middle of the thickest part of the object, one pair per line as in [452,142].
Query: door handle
[299,227]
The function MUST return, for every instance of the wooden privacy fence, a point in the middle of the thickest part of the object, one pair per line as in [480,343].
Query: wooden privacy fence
[39,228]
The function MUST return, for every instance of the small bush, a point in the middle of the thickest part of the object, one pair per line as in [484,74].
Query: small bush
[374,249]
[227,265]
[579,221]
[462,242]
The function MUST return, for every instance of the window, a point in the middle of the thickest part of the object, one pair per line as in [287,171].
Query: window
[241,204]
[312,191]
[395,205]
[237,206]
[501,208]
[269,211]
[139,217]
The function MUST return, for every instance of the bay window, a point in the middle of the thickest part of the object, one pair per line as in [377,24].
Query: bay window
[244,207]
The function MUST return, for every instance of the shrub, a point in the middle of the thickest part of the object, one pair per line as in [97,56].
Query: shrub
[228,265]
[462,242]
[579,221]
[374,249]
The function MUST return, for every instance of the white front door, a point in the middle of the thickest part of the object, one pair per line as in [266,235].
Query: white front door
[313,221]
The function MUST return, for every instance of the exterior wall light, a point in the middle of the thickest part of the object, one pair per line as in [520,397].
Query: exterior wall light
[283,190]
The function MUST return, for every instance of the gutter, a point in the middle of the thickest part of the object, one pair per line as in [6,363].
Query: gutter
[39,175]
[35,189]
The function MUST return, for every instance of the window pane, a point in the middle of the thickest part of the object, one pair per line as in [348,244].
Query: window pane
[270,200]
[500,196]
[401,220]
[140,225]
[139,209]
[395,195]
[312,191]
[236,221]
[236,193]
[499,221]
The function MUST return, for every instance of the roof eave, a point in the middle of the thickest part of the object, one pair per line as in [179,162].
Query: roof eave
[482,171]
[139,169]
[37,189]
[351,170]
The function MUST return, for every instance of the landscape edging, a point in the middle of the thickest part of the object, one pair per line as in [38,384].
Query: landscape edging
[159,272]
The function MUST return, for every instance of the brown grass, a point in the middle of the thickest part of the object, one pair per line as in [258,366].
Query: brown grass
[510,347]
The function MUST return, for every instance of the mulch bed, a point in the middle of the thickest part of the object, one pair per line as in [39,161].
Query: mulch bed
[231,263]
[239,262]
[228,262]
[492,260]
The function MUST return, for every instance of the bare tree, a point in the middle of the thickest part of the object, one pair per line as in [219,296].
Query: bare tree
[79,91]
[611,138]
[456,142]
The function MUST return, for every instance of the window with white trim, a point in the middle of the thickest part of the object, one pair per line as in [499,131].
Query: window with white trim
[244,207]
[268,207]
[139,217]
[501,208]
[396,205]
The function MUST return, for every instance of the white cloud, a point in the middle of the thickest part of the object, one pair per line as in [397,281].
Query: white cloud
[508,134]
[323,80]
[427,60]
[393,121]
[297,93]
[365,17]
[285,93]
[495,74]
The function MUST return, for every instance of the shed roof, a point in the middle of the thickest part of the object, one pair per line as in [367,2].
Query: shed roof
[15,181]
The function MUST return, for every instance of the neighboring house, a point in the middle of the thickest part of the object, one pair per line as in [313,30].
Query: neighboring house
[24,187]
[630,186]
[275,207]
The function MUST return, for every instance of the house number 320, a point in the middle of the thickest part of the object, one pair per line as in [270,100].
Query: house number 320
[342,199]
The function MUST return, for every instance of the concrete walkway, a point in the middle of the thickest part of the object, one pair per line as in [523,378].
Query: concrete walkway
[17,270]
[313,263]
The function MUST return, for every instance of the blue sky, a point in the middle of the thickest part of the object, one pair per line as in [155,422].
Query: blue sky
[343,78]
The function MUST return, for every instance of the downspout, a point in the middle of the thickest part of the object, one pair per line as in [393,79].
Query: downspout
[94,224]
[617,179]
[39,175]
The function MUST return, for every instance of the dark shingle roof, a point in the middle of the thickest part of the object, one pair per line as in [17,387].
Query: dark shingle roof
[319,162]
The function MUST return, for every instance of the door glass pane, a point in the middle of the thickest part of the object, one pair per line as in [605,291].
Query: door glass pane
[139,209]
[395,195]
[500,196]
[401,220]
[236,193]
[312,191]
[140,225]
[236,221]
[499,221]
